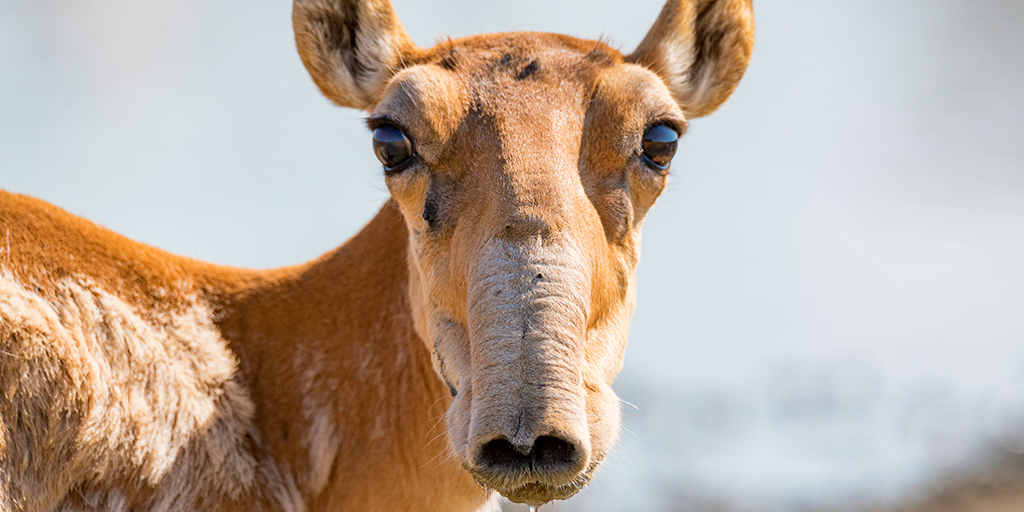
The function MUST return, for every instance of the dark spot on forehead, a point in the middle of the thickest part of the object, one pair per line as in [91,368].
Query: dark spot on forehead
[448,54]
[601,54]
[524,55]
[448,62]
[530,69]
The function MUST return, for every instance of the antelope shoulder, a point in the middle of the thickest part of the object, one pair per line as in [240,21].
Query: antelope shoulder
[103,408]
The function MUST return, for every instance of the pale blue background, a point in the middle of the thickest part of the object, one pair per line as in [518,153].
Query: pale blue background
[830,300]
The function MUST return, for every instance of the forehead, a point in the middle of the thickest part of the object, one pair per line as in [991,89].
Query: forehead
[491,72]
[525,58]
[522,87]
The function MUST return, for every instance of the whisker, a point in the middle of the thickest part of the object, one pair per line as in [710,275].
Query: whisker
[631,404]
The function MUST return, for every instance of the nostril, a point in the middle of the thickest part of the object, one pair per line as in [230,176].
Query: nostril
[554,453]
[501,455]
[548,453]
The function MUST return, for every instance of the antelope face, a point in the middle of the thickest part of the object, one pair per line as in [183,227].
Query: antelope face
[524,164]
[519,167]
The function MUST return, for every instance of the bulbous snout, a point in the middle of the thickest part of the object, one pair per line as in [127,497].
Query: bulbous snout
[538,453]
[528,434]
[508,452]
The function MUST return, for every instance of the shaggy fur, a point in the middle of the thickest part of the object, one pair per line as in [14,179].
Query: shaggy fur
[105,410]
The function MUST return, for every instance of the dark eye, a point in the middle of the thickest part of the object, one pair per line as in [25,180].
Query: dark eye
[392,147]
[660,145]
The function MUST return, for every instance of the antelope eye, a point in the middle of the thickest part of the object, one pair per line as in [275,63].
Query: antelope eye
[392,148]
[659,146]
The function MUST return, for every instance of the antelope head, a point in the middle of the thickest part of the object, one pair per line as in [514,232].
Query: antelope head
[524,164]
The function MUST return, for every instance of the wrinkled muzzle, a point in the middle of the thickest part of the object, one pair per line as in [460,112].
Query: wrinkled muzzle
[527,434]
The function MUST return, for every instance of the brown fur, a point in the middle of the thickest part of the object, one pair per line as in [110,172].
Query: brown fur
[501,274]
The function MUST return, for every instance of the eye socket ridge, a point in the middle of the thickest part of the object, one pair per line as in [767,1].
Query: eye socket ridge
[392,146]
[659,144]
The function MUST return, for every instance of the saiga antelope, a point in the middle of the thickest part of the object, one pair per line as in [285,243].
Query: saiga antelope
[492,290]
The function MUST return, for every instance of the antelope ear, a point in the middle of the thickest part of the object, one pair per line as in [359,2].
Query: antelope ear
[700,48]
[351,48]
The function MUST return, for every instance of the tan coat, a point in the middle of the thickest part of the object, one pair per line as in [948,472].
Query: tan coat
[471,331]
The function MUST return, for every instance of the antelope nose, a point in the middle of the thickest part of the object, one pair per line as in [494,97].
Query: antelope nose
[549,455]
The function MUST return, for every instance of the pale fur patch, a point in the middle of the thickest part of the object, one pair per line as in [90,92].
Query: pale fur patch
[491,505]
[102,410]
[322,440]
[111,501]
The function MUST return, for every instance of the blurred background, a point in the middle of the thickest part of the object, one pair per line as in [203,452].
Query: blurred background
[830,316]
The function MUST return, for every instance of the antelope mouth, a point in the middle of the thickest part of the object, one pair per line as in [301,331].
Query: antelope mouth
[531,489]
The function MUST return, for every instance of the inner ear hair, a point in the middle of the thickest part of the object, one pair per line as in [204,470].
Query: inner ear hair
[352,48]
[700,49]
